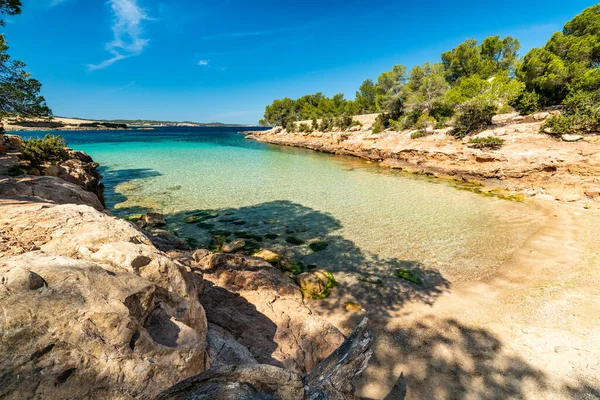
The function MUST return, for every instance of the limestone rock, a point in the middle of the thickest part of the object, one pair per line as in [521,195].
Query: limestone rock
[571,138]
[540,116]
[223,349]
[80,329]
[234,246]
[315,284]
[332,379]
[51,189]
[592,191]
[166,241]
[502,119]
[265,312]
[268,255]
[154,219]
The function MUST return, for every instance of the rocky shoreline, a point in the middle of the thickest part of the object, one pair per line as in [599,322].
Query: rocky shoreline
[97,307]
[529,164]
[58,124]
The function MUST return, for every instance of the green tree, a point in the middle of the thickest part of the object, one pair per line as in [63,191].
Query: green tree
[426,88]
[365,97]
[569,61]
[492,56]
[9,7]
[280,112]
[389,89]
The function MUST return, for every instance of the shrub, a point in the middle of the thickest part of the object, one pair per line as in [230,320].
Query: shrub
[315,125]
[472,117]
[381,123]
[489,142]
[526,102]
[425,122]
[327,123]
[344,122]
[418,134]
[303,127]
[47,149]
[558,125]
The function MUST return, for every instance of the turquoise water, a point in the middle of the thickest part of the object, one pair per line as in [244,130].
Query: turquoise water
[373,218]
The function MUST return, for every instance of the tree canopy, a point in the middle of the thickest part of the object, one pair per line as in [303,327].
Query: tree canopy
[9,7]
[473,81]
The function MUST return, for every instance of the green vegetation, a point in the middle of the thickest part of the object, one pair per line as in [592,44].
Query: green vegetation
[19,93]
[418,134]
[471,83]
[49,149]
[318,246]
[488,142]
[294,240]
[408,275]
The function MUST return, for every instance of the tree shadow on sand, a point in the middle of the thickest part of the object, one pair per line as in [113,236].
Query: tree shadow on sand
[425,358]
[289,229]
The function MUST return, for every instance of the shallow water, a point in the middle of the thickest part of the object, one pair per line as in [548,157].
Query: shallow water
[374,219]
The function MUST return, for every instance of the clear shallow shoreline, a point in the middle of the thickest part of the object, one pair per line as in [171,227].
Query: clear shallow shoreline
[373,218]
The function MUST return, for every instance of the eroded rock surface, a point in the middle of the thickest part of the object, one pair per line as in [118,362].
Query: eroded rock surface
[265,312]
[331,379]
[91,307]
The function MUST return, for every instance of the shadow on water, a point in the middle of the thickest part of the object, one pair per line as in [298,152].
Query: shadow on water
[429,357]
[112,178]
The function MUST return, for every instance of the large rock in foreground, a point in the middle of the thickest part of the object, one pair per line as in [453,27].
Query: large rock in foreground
[331,379]
[265,312]
[113,317]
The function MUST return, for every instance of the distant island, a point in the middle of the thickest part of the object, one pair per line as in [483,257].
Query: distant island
[76,124]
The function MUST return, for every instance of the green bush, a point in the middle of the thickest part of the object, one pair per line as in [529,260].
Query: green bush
[49,149]
[344,122]
[303,127]
[382,122]
[424,122]
[315,125]
[558,125]
[526,102]
[489,142]
[327,123]
[472,117]
[419,134]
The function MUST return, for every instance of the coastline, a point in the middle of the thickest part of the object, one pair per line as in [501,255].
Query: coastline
[530,164]
[523,321]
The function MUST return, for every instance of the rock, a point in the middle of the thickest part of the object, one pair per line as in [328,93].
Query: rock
[352,307]
[52,170]
[592,191]
[518,118]
[234,246]
[571,138]
[502,119]
[264,311]
[51,189]
[166,241]
[268,255]
[246,382]
[19,279]
[485,158]
[540,116]
[92,290]
[354,128]
[316,284]
[200,254]
[223,349]
[331,379]
[154,219]
[82,173]
[91,332]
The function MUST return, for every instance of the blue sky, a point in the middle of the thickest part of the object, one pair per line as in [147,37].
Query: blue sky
[225,60]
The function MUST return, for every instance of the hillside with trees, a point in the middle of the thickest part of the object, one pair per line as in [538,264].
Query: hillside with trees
[470,84]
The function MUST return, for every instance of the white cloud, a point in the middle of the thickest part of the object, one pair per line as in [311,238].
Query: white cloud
[203,63]
[56,2]
[127,31]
